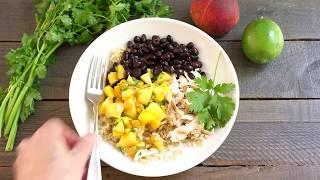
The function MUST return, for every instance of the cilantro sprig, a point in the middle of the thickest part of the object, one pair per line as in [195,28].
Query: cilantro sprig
[58,22]
[211,103]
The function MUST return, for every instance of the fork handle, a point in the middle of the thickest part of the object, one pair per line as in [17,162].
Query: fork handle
[94,170]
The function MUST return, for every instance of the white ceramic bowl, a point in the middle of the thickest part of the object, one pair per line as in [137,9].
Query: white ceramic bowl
[117,37]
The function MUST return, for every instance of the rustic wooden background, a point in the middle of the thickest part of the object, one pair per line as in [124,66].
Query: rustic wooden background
[277,131]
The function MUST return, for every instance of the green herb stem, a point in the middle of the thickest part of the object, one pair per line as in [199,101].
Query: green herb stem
[13,132]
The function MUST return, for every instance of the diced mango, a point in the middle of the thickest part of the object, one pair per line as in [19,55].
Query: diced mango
[146,117]
[118,130]
[156,142]
[132,81]
[130,109]
[117,91]
[141,144]
[130,151]
[155,109]
[114,110]
[139,107]
[127,94]
[149,71]
[123,84]
[146,78]
[135,123]
[144,95]
[163,77]
[128,139]
[140,84]
[155,124]
[126,121]
[158,94]
[121,73]
[102,106]
[108,91]
[112,78]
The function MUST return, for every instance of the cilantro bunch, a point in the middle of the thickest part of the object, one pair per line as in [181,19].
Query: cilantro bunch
[211,103]
[58,22]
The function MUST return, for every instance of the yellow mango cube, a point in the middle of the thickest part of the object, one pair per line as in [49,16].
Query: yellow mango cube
[130,109]
[114,110]
[118,130]
[121,73]
[130,151]
[144,95]
[157,142]
[112,78]
[155,124]
[128,139]
[146,78]
[127,94]
[158,94]
[108,91]
[135,123]
[146,117]
[117,91]
[155,109]
[163,77]
[103,105]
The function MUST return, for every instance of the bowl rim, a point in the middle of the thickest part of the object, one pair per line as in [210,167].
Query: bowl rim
[202,33]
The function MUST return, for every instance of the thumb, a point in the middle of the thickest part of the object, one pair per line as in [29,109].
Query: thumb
[82,150]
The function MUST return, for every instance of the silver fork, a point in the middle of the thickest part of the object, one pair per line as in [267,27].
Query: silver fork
[95,85]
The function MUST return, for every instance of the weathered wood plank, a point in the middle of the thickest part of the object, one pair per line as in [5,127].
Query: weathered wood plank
[300,61]
[298,19]
[259,137]
[215,173]
[294,75]
[56,84]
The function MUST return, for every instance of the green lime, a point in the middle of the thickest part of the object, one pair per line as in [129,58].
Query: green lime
[262,41]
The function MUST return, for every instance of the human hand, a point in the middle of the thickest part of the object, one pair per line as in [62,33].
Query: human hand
[53,152]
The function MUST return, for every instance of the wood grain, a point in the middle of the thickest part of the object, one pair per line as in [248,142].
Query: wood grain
[215,173]
[294,75]
[259,137]
[298,19]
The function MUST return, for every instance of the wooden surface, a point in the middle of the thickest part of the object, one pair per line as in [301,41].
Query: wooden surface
[277,131]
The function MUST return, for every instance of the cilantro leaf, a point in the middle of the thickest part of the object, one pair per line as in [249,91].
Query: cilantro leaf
[41,71]
[199,100]
[224,88]
[213,111]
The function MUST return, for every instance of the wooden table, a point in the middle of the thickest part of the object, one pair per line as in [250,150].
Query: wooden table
[277,131]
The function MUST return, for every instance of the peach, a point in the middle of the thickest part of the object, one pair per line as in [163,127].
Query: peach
[216,17]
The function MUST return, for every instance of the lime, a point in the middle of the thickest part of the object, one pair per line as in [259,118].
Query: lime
[262,41]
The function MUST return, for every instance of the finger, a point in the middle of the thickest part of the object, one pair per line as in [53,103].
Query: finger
[82,150]
[22,144]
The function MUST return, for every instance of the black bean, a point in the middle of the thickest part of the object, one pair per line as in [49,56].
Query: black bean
[170,47]
[143,38]
[169,69]
[128,71]
[169,38]
[136,39]
[177,61]
[134,51]
[157,70]
[164,63]
[129,44]
[194,51]
[165,57]
[202,73]
[137,46]
[159,53]
[190,45]
[143,68]
[146,50]
[178,71]
[137,72]
[194,58]
[163,40]
[150,46]
[125,55]
[171,55]
[175,44]
[177,66]
[188,58]
[188,68]
[149,41]
[155,40]
[191,75]
[177,50]
[185,49]
[163,45]
[196,64]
